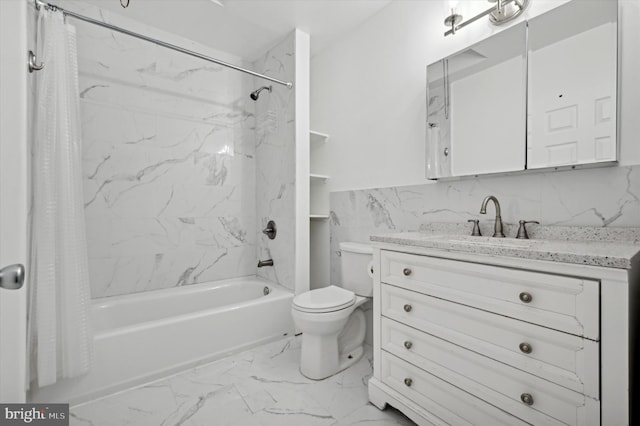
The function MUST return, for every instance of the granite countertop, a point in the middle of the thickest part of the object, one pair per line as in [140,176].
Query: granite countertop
[613,248]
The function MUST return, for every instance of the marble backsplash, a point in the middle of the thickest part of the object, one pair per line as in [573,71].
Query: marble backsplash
[276,163]
[169,161]
[601,197]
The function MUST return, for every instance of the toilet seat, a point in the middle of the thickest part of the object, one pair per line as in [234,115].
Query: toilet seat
[327,299]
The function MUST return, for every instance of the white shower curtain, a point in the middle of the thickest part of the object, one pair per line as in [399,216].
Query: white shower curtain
[59,329]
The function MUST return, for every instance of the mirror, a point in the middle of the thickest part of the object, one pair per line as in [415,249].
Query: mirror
[540,94]
[476,107]
[572,85]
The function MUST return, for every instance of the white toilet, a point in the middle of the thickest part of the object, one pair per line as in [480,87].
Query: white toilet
[332,324]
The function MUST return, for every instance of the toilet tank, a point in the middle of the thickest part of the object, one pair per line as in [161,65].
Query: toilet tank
[356,262]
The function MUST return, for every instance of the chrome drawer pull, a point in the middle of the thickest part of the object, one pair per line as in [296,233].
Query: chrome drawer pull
[525,347]
[407,308]
[526,398]
[406,272]
[408,344]
[525,297]
[408,381]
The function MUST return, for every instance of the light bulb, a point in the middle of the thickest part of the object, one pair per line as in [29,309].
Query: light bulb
[453,6]
[453,16]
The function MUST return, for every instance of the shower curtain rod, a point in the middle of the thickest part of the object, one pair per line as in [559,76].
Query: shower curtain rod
[53,7]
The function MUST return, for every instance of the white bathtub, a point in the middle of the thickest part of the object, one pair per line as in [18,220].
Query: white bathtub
[141,337]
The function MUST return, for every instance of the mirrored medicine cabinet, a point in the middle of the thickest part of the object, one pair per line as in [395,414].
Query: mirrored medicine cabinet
[538,95]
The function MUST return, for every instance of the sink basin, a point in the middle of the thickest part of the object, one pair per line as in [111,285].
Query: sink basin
[485,241]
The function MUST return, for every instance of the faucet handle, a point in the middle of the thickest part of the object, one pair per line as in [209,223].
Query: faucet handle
[522,230]
[476,228]
[270,231]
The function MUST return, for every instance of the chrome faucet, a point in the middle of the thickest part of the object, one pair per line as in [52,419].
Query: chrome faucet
[497,229]
[268,262]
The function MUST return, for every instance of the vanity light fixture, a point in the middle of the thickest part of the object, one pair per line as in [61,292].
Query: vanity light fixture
[503,11]
[454,19]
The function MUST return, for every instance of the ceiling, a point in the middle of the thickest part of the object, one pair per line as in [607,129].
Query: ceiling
[249,27]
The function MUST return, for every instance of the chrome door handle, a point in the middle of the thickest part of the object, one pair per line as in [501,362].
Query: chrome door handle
[12,277]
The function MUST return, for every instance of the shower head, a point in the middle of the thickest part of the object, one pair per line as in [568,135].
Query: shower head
[256,93]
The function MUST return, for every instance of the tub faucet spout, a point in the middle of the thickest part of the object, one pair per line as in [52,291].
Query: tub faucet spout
[497,228]
[268,262]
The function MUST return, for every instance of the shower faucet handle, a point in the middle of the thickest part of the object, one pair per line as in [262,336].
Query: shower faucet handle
[270,231]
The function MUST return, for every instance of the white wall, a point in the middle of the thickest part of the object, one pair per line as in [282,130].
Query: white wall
[13,195]
[368,90]
[282,167]
[303,162]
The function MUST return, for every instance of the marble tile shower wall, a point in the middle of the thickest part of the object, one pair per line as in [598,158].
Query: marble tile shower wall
[595,197]
[275,163]
[169,162]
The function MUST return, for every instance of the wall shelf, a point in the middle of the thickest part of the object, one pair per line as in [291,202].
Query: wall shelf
[318,216]
[319,224]
[317,137]
[318,177]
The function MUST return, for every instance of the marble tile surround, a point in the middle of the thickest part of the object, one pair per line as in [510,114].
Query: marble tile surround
[601,197]
[170,158]
[261,386]
[276,163]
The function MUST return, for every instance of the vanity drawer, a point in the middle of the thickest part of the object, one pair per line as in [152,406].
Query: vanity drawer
[496,383]
[561,358]
[451,404]
[563,303]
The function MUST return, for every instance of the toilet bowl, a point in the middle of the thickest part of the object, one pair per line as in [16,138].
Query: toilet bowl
[333,325]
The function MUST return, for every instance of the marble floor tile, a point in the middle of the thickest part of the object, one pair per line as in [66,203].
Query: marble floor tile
[261,386]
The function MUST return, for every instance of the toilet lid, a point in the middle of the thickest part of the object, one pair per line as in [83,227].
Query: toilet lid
[326,299]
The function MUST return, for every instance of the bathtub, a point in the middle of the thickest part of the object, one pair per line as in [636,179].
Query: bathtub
[142,337]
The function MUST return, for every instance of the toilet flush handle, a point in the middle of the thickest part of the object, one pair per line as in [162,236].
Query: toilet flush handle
[370,269]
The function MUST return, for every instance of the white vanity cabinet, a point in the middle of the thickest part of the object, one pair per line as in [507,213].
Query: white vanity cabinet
[469,339]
